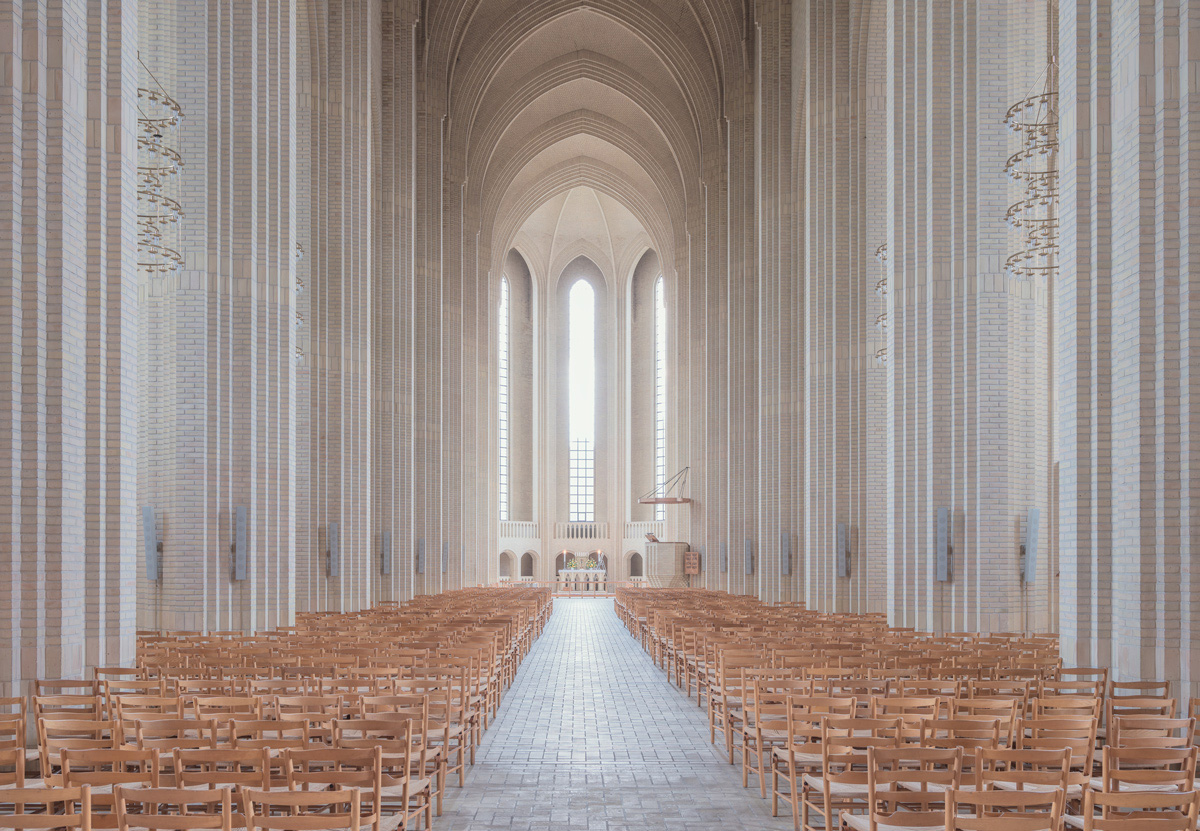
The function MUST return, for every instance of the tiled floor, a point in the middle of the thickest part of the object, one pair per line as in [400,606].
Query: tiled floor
[591,736]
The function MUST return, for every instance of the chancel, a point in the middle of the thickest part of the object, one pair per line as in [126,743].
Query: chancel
[541,414]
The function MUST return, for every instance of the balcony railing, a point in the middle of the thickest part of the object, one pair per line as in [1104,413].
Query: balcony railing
[638,530]
[519,530]
[580,530]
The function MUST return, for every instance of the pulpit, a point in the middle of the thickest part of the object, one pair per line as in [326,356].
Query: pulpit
[665,564]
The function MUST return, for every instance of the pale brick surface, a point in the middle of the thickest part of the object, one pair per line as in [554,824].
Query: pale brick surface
[592,736]
[763,151]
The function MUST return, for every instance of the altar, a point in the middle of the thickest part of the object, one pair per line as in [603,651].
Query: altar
[583,580]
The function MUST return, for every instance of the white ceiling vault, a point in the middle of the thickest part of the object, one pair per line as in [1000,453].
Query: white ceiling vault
[583,126]
[582,221]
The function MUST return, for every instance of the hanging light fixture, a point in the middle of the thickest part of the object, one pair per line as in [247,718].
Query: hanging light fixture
[881,289]
[1035,167]
[158,164]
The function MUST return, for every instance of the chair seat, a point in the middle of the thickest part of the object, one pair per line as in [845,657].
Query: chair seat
[415,786]
[1098,785]
[836,789]
[935,787]
[861,822]
[1074,791]
[1074,821]
[781,754]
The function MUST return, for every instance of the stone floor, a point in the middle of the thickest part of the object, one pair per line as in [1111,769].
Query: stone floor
[591,736]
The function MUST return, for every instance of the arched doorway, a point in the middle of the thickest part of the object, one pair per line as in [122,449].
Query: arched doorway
[527,564]
[635,565]
[506,565]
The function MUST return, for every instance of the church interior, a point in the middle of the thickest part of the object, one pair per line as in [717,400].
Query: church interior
[599,414]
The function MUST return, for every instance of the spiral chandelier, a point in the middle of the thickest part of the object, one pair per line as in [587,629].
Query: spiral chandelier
[881,289]
[1035,167]
[159,164]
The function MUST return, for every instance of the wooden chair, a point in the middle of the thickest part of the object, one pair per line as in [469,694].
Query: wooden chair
[842,782]
[995,810]
[173,809]
[1023,770]
[765,725]
[407,789]
[906,789]
[103,770]
[224,707]
[302,810]
[69,807]
[968,735]
[1140,811]
[1163,770]
[1152,731]
[327,769]
[57,735]
[1076,734]
[222,768]
[12,757]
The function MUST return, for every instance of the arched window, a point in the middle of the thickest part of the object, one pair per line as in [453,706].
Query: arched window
[660,392]
[503,403]
[581,361]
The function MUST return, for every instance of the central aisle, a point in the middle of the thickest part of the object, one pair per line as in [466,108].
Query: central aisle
[591,736]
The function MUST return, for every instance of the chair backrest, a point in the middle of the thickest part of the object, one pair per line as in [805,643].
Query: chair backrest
[100,768]
[254,734]
[1067,706]
[226,766]
[172,809]
[1019,769]
[1002,810]
[1139,689]
[338,768]
[1148,768]
[913,780]
[970,735]
[1140,811]
[166,735]
[70,808]
[52,687]
[1005,710]
[276,810]
[228,705]
[13,757]
[1151,731]
[58,734]
[73,705]
[1077,734]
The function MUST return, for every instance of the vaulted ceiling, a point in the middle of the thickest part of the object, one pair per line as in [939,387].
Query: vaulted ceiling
[621,98]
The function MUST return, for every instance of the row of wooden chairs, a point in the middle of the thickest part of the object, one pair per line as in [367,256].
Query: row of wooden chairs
[177,721]
[809,698]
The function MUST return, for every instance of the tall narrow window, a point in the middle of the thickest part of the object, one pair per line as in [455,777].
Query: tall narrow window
[660,392]
[581,386]
[503,334]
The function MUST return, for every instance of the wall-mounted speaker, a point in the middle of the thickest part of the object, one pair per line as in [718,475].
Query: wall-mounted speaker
[335,550]
[942,551]
[445,556]
[724,553]
[1030,548]
[843,550]
[153,544]
[385,553]
[240,547]
[419,561]
[785,553]
[749,557]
